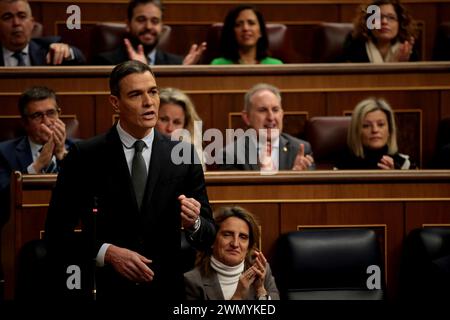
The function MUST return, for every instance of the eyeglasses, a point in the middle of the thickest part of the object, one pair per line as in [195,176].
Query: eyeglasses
[388,17]
[39,116]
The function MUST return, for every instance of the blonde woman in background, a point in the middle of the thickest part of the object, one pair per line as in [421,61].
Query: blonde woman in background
[372,139]
[177,111]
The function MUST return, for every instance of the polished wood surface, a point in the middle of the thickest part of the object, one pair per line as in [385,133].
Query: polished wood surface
[391,202]
[419,92]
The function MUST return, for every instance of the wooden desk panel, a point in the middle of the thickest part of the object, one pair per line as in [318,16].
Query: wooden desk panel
[395,202]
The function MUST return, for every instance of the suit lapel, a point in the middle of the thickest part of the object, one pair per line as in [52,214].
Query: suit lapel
[250,145]
[160,58]
[24,156]
[284,153]
[37,54]
[212,287]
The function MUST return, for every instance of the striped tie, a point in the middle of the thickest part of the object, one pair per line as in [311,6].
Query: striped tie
[52,167]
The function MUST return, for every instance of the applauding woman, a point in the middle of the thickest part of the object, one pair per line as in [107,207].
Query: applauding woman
[372,139]
[234,269]
[392,41]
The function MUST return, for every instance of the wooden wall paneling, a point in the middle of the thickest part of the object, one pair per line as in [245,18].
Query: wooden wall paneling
[268,218]
[204,107]
[104,114]
[410,133]
[80,38]
[390,214]
[222,104]
[419,214]
[443,12]
[445,104]
[70,104]
[8,104]
[426,15]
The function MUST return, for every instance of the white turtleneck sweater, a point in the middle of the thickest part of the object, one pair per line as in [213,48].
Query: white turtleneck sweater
[228,276]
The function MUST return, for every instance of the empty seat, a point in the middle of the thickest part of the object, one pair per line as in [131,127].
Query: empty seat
[107,36]
[442,43]
[329,264]
[329,42]
[328,138]
[280,43]
[425,269]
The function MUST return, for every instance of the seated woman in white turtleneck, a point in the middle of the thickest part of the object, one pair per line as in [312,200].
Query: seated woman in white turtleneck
[233,269]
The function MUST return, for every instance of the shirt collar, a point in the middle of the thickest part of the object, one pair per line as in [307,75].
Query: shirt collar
[152,56]
[10,53]
[128,140]
[34,147]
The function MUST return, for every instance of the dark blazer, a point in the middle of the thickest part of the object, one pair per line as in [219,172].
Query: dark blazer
[207,287]
[288,150]
[38,49]
[15,155]
[355,51]
[120,55]
[95,175]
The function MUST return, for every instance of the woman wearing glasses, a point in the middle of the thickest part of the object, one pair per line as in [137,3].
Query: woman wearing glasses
[390,41]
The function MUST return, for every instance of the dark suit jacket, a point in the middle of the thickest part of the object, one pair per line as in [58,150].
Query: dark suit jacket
[207,287]
[288,150]
[355,51]
[120,55]
[95,174]
[38,49]
[15,155]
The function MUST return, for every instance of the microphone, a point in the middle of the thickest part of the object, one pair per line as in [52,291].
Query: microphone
[94,238]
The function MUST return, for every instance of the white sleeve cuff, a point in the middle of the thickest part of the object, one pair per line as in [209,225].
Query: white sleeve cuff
[100,259]
[30,169]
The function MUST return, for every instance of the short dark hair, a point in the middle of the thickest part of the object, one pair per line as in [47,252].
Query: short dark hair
[228,42]
[134,3]
[35,93]
[124,69]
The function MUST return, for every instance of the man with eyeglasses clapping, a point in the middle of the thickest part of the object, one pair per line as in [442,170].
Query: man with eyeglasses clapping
[43,147]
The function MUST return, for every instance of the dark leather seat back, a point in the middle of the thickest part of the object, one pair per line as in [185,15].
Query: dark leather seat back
[11,127]
[327,264]
[329,43]
[38,30]
[442,43]
[443,136]
[328,138]
[280,43]
[425,269]
[107,36]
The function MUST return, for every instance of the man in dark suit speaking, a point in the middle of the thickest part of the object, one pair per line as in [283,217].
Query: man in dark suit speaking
[131,200]
[144,25]
[18,49]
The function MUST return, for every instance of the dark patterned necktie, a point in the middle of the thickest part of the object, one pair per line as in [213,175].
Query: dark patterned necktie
[52,167]
[19,56]
[139,172]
